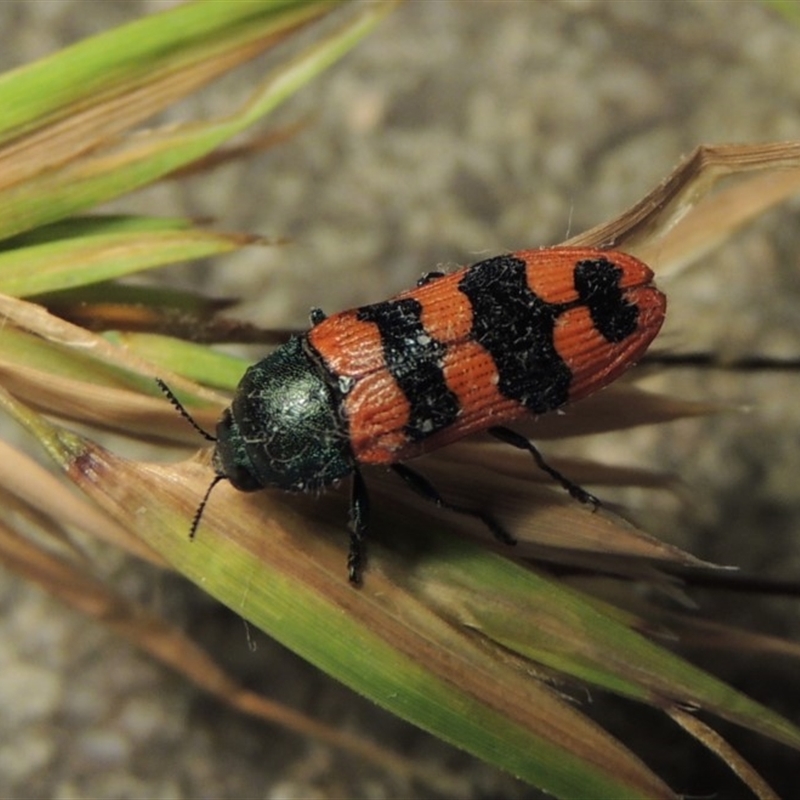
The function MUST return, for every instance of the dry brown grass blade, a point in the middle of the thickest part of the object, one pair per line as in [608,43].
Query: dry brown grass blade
[119,410]
[716,744]
[497,458]
[646,224]
[33,485]
[116,408]
[714,219]
[32,317]
[616,408]
[236,152]
[540,517]
[169,645]
[707,635]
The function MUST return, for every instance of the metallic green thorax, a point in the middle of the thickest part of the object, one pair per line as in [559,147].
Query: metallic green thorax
[284,428]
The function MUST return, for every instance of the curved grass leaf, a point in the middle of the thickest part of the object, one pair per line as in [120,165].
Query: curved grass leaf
[290,581]
[65,179]
[81,260]
[117,63]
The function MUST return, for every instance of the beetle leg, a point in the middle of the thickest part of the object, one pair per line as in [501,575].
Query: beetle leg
[518,440]
[424,488]
[316,315]
[359,521]
[428,277]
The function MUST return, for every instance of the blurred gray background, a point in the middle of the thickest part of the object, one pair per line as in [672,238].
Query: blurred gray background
[461,128]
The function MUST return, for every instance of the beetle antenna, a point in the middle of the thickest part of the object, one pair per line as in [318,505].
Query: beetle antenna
[202,506]
[170,395]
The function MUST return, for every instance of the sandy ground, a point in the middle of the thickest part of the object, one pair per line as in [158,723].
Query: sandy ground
[460,129]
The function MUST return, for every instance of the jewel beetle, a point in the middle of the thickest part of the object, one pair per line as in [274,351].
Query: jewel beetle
[460,353]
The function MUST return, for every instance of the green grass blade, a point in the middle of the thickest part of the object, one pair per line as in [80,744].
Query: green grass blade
[789,8]
[78,227]
[293,586]
[86,179]
[567,631]
[81,260]
[193,361]
[124,59]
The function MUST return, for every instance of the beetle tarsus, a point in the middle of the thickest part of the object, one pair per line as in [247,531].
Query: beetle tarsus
[425,489]
[517,440]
